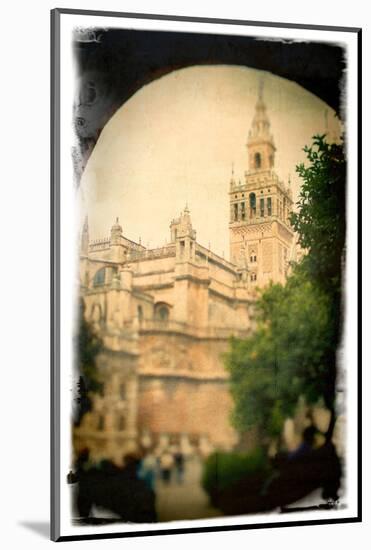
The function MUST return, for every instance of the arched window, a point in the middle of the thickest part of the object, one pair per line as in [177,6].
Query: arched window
[269,206]
[235,212]
[252,201]
[253,277]
[100,277]
[262,208]
[257,160]
[162,312]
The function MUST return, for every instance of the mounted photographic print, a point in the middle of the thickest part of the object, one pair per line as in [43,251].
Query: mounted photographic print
[205,190]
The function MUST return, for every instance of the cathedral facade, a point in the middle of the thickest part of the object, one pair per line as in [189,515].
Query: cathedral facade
[166,315]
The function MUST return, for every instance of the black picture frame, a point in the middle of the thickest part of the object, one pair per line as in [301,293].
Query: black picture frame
[324,92]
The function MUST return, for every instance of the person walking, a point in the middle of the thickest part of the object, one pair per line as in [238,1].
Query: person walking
[166,465]
[179,465]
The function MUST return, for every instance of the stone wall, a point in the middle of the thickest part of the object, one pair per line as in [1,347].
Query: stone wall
[177,406]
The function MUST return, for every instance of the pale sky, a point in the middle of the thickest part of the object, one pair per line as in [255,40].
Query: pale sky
[174,143]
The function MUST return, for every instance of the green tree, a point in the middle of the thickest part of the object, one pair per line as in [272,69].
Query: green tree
[283,358]
[292,352]
[87,347]
[320,219]
[321,225]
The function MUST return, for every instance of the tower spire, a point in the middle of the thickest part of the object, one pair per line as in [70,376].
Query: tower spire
[260,142]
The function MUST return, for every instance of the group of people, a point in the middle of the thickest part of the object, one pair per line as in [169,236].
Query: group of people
[165,465]
[127,490]
[111,487]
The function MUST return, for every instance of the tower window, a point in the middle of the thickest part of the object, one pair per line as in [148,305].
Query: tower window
[252,200]
[235,212]
[253,258]
[242,210]
[253,277]
[262,207]
[269,206]
[257,160]
[140,313]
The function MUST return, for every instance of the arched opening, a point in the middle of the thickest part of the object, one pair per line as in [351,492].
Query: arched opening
[162,312]
[100,277]
[257,160]
[269,206]
[252,202]
[104,87]
[196,134]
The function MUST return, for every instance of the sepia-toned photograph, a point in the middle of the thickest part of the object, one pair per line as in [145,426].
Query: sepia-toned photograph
[207,362]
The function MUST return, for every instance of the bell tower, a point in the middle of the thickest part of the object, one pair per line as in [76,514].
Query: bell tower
[260,207]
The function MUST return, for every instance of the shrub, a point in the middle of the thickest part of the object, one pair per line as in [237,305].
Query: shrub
[224,470]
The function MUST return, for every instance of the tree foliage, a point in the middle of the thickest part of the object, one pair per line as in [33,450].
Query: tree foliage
[284,358]
[320,219]
[87,346]
[292,352]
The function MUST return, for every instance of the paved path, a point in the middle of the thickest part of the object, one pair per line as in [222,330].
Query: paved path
[187,500]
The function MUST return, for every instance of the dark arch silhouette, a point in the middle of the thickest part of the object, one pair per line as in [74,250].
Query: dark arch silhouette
[121,62]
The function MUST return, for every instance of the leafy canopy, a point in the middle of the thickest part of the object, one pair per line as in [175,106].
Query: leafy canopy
[292,352]
[88,346]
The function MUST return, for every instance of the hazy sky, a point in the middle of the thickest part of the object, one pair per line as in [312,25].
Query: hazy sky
[174,143]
